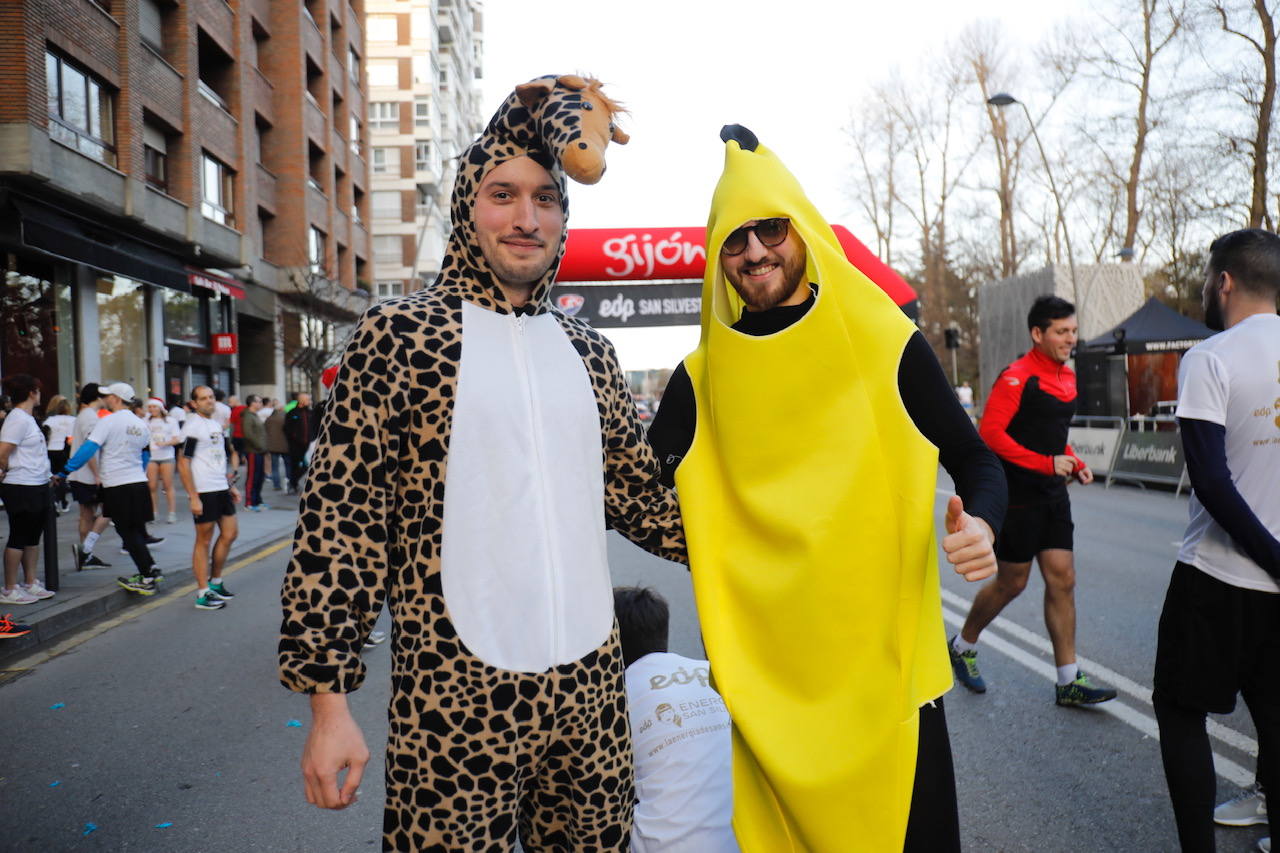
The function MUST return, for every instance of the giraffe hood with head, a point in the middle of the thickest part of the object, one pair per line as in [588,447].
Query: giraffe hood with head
[561,123]
[470,461]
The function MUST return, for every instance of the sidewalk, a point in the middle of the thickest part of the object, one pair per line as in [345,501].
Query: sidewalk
[88,596]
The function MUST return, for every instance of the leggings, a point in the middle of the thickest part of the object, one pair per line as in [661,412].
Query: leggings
[24,529]
[135,542]
[934,822]
[1188,768]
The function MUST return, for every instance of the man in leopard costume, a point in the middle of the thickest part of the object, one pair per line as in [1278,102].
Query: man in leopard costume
[476,446]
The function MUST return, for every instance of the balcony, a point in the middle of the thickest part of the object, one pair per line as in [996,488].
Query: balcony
[266,189]
[312,40]
[313,121]
[341,226]
[261,10]
[337,74]
[263,95]
[216,18]
[338,150]
[317,206]
[215,126]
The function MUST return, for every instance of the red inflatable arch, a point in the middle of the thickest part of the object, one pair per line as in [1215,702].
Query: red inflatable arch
[666,254]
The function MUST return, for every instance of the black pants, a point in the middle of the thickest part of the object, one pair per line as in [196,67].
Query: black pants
[1216,641]
[57,459]
[134,537]
[934,822]
[296,466]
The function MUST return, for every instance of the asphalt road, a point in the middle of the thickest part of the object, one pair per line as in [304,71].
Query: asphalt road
[169,715]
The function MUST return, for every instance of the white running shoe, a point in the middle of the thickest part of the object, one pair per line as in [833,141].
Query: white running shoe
[37,589]
[1248,809]
[17,595]
[1265,845]
[173,518]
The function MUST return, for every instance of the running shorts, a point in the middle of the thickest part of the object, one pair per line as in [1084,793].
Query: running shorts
[216,505]
[1033,528]
[128,505]
[87,494]
[1216,640]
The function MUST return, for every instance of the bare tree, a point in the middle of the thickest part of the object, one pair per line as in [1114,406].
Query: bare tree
[876,134]
[1129,62]
[1255,84]
[317,318]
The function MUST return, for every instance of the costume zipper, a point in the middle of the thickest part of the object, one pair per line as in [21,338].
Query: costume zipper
[535,433]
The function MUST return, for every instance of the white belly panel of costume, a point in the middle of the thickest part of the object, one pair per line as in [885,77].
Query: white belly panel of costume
[523,561]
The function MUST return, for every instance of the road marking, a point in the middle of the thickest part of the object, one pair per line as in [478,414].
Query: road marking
[1225,767]
[132,613]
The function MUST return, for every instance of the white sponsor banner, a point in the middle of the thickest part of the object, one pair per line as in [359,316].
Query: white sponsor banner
[1095,445]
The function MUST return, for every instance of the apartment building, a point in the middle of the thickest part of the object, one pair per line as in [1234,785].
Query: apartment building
[424,59]
[183,190]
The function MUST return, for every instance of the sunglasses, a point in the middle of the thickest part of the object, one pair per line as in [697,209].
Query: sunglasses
[770,232]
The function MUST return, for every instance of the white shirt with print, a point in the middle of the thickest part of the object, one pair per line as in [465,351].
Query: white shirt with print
[1233,379]
[680,731]
[86,422]
[29,460]
[163,431]
[60,427]
[209,459]
[122,436]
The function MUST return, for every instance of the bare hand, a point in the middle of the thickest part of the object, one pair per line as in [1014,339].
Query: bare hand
[197,506]
[969,543]
[235,495]
[1084,475]
[335,743]
[1064,466]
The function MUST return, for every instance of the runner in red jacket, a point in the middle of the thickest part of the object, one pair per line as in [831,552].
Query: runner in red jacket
[1026,421]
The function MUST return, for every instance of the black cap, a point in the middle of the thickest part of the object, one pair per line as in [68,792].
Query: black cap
[745,138]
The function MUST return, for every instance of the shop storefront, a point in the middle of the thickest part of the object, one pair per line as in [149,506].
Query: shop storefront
[37,323]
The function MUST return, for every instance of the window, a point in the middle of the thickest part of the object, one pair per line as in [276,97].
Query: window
[386,204]
[390,288]
[356,132]
[423,69]
[353,65]
[151,24]
[217,182]
[386,161]
[388,249]
[382,28]
[186,318]
[422,157]
[422,112]
[384,72]
[315,250]
[384,115]
[156,148]
[357,199]
[80,110]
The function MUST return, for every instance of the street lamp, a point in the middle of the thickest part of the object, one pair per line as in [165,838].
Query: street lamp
[1004,99]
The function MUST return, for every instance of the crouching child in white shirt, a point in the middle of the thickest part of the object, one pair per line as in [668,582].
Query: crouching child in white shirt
[680,731]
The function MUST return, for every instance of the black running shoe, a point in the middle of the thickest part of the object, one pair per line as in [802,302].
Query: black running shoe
[9,628]
[91,561]
[1083,692]
[154,540]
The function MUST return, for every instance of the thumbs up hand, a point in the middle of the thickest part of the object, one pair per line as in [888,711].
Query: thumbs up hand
[969,544]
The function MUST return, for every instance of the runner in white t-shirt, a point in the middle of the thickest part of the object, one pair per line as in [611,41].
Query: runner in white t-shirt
[122,442]
[680,732]
[1219,632]
[24,466]
[84,483]
[202,465]
[165,436]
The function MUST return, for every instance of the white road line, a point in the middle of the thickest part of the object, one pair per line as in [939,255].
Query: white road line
[1225,767]
[1225,734]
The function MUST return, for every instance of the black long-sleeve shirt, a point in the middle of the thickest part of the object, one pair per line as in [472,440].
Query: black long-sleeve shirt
[928,397]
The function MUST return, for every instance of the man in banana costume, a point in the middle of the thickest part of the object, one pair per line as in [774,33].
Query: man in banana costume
[803,435]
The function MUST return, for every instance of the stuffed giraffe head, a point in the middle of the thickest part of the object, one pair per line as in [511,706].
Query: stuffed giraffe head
[575,120]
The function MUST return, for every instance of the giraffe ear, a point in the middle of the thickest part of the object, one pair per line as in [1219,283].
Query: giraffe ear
[532,92]
[572,81]
[619,136]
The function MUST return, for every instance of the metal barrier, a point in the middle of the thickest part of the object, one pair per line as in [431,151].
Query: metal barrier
[1097,447]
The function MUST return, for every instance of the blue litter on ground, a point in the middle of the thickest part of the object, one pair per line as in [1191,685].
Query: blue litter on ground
[294,724]
[54,784]
[164,825]
[89,827]
[57,706]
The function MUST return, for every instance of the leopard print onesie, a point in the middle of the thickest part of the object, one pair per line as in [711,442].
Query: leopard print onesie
[508,715]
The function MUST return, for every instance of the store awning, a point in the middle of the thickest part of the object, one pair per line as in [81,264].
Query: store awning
[220,284]
[65,235]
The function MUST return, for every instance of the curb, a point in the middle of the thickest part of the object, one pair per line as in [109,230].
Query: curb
[60,621]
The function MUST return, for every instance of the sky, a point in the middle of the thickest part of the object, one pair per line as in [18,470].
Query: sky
[790,70]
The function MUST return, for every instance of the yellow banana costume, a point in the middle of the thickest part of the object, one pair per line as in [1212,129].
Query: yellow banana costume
[807,497]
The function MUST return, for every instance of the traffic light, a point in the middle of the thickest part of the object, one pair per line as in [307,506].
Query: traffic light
[952,338]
